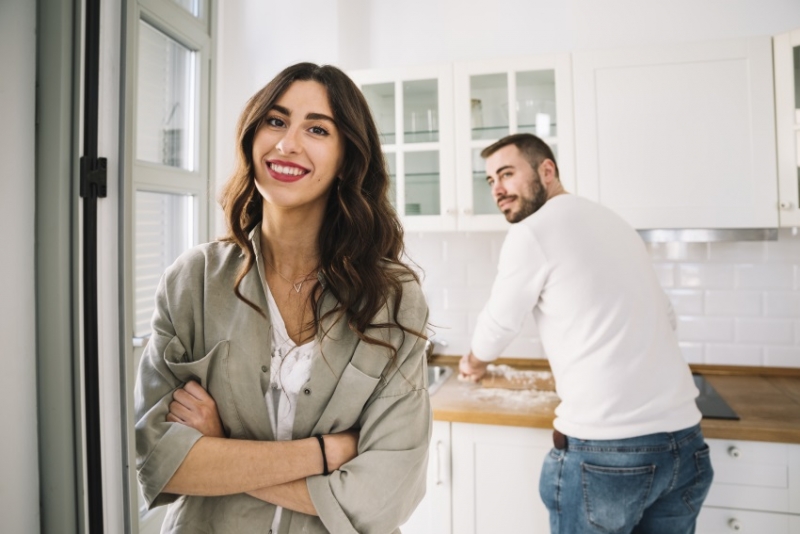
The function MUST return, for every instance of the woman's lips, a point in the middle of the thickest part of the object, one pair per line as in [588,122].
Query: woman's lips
[286,172]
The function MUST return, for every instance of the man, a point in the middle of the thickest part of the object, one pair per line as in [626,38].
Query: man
[628,453]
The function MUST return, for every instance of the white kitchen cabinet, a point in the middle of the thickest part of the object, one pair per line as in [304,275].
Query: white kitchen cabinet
[679,136]
[496,479]
[414,114]
[496,98]
[786,54]
[756,488]
[433,515]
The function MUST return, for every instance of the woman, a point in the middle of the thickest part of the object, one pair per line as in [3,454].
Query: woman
[302,327]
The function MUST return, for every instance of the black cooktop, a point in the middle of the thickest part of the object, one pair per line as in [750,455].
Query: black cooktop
[711,405]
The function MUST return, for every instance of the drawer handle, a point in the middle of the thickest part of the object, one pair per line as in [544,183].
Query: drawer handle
[734,524]
[734,452]
[439,463]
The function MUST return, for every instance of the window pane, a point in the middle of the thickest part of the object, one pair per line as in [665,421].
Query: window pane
[195,7]
[536,103]
[166,106]
[482,201]
[422,183]
[391,159]
[380,98]
[165,227]
[489,106]
[421,111]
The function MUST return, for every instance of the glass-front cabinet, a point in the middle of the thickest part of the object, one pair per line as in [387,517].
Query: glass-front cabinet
[497,98]
[413,111]
[786,55]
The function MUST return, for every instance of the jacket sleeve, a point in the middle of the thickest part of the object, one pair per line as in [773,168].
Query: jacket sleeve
[162,446]
[379,489]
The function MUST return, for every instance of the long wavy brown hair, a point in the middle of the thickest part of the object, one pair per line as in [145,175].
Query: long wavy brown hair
[361,239]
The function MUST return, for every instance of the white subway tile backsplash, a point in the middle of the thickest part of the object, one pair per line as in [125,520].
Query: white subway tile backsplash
[747,252]
[766,331]
[782,304]
[665,273]
[733,303]
[782,356]
[767,276]
[693,352]
[706,275]
[737,303]
[686,301]
[734,354]
[705,329]
[678,251]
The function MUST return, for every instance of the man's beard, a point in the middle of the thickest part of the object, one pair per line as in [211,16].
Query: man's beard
[530,202]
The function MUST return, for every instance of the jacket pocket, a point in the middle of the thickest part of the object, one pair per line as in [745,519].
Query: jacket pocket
[201,370]
[348,400]
[615,497]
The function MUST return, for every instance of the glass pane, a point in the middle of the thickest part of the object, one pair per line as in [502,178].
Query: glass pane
[165,227]
[422,183]
[195,7]
[166,101]
[489,106]
[797,84]
[482,200]
[380,98]
[391,163]
[536,103]
[421,111]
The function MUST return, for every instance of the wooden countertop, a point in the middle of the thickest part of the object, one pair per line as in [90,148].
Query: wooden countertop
[766,399]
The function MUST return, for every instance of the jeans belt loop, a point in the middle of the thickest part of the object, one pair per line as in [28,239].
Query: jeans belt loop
[559,440]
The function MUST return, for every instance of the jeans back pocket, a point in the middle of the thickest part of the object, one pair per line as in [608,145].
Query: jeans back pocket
[615,497]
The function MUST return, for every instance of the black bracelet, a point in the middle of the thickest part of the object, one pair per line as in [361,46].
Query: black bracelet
[325,471]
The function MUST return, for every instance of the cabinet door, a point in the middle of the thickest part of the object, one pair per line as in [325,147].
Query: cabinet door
[787,118]
[433,515]
[497,98]
[496,479]
[679,136]
[413,111]
[727,521]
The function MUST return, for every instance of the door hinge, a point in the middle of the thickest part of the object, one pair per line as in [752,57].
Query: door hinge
[93,177]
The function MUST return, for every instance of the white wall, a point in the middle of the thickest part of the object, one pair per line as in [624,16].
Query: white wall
[19,483]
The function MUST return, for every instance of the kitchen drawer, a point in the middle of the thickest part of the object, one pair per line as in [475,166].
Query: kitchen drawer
[751,475]
[727,521]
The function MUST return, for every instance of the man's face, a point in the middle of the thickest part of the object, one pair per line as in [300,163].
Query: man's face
[516,186]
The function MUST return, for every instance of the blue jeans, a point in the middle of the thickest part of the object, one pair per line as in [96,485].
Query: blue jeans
[651,484]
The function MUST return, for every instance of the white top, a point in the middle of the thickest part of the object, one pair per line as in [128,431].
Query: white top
[290,369]
[605,323]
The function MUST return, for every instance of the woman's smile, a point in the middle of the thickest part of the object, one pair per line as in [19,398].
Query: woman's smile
[285,171]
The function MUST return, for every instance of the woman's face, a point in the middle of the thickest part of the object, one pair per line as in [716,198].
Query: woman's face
[298,150]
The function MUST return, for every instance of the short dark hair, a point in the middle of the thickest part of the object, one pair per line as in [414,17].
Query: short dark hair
[533,149]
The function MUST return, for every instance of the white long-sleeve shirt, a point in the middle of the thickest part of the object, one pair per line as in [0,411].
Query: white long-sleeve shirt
[605,323]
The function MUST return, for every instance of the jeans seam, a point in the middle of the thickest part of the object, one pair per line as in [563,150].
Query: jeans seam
[558,482]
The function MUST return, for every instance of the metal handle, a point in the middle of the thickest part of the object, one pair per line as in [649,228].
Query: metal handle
[439,463]
[734,452]
[467,211]
[734,524]
[451,211]
[786,205]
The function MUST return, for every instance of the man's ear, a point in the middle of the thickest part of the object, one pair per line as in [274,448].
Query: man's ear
[547,171]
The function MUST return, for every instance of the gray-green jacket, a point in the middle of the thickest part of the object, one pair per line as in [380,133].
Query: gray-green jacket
[202,331]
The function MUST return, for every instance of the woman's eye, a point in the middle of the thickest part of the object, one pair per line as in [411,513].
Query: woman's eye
[318,130]
[275,121]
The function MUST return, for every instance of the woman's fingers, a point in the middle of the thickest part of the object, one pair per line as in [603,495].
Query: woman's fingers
[194,407]
[196,390]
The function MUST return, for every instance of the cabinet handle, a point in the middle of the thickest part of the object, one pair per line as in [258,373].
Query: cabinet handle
[439,463]
[451,211]
[467,211]
[734,524]
[785,205]
[733,451]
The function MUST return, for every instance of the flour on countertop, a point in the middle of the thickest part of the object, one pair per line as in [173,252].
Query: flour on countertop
[515,398]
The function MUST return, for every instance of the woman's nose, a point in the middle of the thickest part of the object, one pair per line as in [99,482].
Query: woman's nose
[289,143]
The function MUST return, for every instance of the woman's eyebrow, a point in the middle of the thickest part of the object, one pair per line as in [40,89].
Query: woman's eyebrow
[311,116]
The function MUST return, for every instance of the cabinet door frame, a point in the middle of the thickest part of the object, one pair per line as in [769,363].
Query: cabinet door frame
[787,125]
[446,219]
[561,65]
[752,200]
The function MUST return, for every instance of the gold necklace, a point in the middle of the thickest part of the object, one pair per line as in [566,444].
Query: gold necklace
[297,287]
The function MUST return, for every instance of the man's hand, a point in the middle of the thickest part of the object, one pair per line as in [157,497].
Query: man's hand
[192,406]
[471,368]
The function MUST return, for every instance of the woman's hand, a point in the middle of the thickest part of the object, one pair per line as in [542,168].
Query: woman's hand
[192,406]
[471,368]
[340,448]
